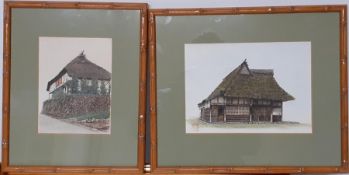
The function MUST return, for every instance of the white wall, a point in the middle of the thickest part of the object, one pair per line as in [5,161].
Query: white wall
[199,4]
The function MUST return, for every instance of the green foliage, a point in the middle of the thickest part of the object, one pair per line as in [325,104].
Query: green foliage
[92,116]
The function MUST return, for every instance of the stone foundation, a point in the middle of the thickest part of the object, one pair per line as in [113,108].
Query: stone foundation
[76,105]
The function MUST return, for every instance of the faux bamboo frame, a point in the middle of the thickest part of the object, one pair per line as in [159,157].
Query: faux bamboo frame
[11,169]
[340,9]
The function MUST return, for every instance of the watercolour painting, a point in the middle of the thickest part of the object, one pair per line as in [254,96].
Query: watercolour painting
[248,87]
[74,85]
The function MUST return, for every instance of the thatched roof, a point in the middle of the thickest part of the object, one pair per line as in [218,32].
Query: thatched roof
[82,68]
[251,83]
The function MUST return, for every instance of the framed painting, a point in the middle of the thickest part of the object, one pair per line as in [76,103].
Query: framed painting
[249,90]
[67,105]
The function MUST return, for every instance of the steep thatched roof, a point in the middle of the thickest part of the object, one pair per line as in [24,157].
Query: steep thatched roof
[251,83]
[82,68]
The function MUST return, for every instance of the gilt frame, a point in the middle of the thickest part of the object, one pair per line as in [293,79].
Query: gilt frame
[13,169]
[182,169]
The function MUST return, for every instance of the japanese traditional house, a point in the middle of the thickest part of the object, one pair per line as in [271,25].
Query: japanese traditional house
[80,76]
[245,95]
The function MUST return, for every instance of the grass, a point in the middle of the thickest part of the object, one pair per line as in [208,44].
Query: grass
[99,121]
[92,116]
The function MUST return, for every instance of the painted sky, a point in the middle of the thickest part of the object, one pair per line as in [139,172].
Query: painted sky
[207,64]
[56,52]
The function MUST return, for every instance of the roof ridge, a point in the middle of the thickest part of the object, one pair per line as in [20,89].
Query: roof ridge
[263,71]
[81,67]
[258,83]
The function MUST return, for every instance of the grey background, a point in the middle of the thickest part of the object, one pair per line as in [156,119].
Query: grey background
[201,4]
[29,148]
[322,148]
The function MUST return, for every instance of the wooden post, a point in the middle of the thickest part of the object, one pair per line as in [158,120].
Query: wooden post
[225,106]
[281,113]
[210,115]
[201,113]
[250,109]
[225,116]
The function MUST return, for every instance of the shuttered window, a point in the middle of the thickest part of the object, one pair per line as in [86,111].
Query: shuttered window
[237,110]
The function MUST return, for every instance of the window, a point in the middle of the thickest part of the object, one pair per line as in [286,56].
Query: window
[99,86]
[107,88]
[243,101]
[237,110]
[243,110]
[277,103]
[277,111]
[220,100]
[79,85]
[89,82]
[235,101]
[263,102]
[59,82]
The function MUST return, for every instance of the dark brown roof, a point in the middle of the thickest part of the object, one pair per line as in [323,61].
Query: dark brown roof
[256,84]
[82,68]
